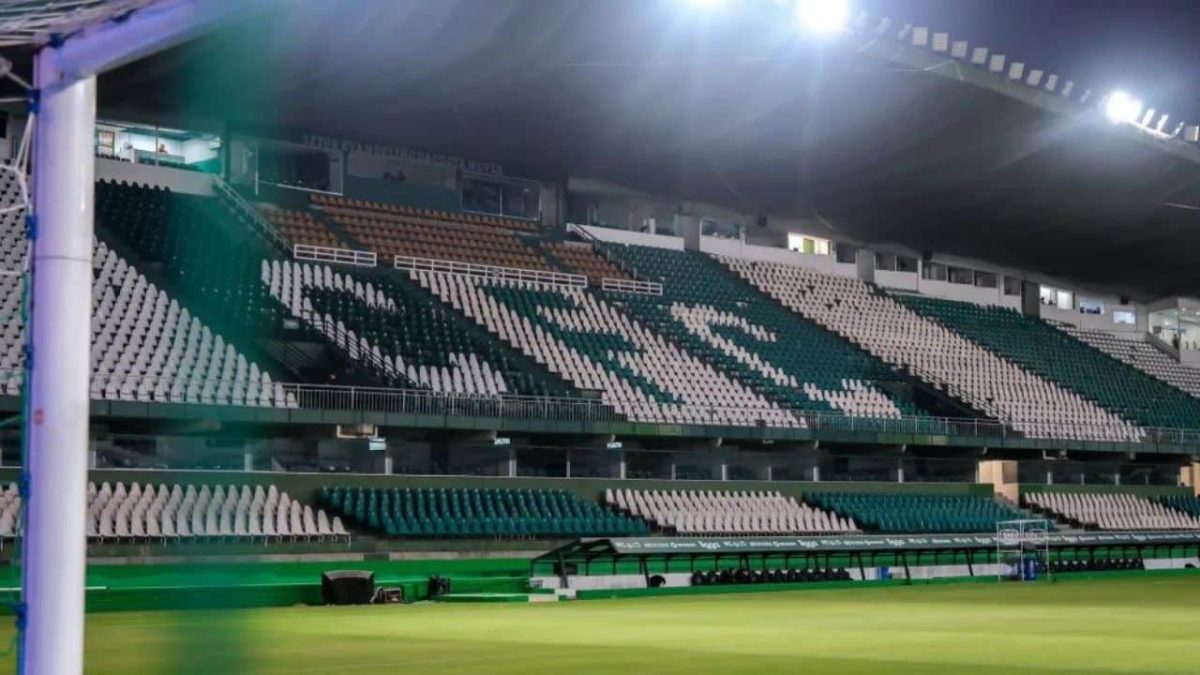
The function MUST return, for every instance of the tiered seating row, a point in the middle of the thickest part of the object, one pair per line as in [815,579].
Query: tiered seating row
[594,346]
[1143,356]
[895,513]
[934,353]
[393,234]
[442,512]
[1112,511]
[428,214]
[183,512]
[1056,356]
[582,258]
[300,227]
[702,512]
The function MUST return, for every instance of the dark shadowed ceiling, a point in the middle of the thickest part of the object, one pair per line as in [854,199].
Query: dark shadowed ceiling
[733,108]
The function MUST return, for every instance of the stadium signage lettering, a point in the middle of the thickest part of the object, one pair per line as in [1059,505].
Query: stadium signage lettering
[887,543]
[328,143]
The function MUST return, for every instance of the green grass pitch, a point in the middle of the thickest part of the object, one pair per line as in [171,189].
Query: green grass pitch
[1147,624]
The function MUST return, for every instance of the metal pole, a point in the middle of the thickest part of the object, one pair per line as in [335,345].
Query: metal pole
[55,538]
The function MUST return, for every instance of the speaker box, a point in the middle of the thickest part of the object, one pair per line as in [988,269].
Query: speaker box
[347,587]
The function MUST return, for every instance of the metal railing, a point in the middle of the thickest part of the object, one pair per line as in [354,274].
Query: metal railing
[402,262]
[341,256]
[428,402]
[245,209]
[631,286]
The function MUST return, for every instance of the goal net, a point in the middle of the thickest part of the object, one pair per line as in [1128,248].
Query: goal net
[1023,549]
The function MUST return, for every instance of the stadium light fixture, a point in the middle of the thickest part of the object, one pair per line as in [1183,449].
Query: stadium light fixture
[1121,107]
[822,16]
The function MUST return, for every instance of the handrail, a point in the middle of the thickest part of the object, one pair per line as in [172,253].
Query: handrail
[631,286]
[343,256]
[410,263]
[242,207]
[597,246]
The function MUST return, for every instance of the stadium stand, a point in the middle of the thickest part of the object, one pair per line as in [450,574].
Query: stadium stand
[410,339]
[1141,355]
[595,346]
[1110,511]
[180,512]
[705,512]
[392,230]
[145,345]
[581,258]
[1182,503]
[755,340]
[892,513]
[935,354]
[463,512]
[300,227]
[1056,356]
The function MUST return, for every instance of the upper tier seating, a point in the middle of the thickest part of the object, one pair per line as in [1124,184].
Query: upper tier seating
[1040,348]
[410,338]
[594,346]
[391,233]
[935,354]
[177,512]
[1143,356]
[580,257]
[1106,511]
[463,512]
[459,217]
[897,513]
[300,227]
[727,513]
[145,346]
[768,349]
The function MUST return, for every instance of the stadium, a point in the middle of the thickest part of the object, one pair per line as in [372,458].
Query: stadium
[492,336]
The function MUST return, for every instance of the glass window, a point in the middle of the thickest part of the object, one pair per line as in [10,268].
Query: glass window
[846,253]
[1090,307]
[1046,294]
[960,275]
[885,262]
[985,280]
[1124,316]
[1065,300]
[803,243]
[1012,286]
[934,271]
[906,263]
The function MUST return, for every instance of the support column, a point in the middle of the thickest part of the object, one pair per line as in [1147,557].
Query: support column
[388,464]
[770,473]
[247,460]
[621,466]
[816,473]
[1189,476]
[512,462]
[568,467]
[57,426]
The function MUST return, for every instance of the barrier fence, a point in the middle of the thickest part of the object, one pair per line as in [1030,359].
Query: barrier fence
[226,391]
[409,263]
[631,286]
[341,256]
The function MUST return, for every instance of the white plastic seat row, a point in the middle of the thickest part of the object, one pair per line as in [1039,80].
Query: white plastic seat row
[1112,511]
[723,512]
[1143,356]
[146,511]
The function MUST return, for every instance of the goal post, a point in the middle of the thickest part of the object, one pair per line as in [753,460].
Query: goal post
[1023,549]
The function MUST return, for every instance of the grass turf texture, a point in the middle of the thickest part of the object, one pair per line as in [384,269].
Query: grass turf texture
[1128,624]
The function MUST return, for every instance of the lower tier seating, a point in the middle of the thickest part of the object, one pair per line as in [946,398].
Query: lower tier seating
[184,512]
[463,512]
[1186,504]
[1143,356]
[1111,511]
[580,257]
[941,357]
[702,512]
[300,227]
[595,346]
[905,513]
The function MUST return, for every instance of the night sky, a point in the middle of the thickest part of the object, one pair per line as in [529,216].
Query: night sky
[1150,48]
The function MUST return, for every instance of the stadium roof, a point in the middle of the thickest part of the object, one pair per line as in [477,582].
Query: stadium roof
[731,109]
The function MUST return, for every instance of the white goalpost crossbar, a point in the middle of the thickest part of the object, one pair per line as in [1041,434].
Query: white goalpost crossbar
[61,226]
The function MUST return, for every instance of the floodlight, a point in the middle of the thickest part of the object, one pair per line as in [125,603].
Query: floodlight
[822,16]
[1121,107]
